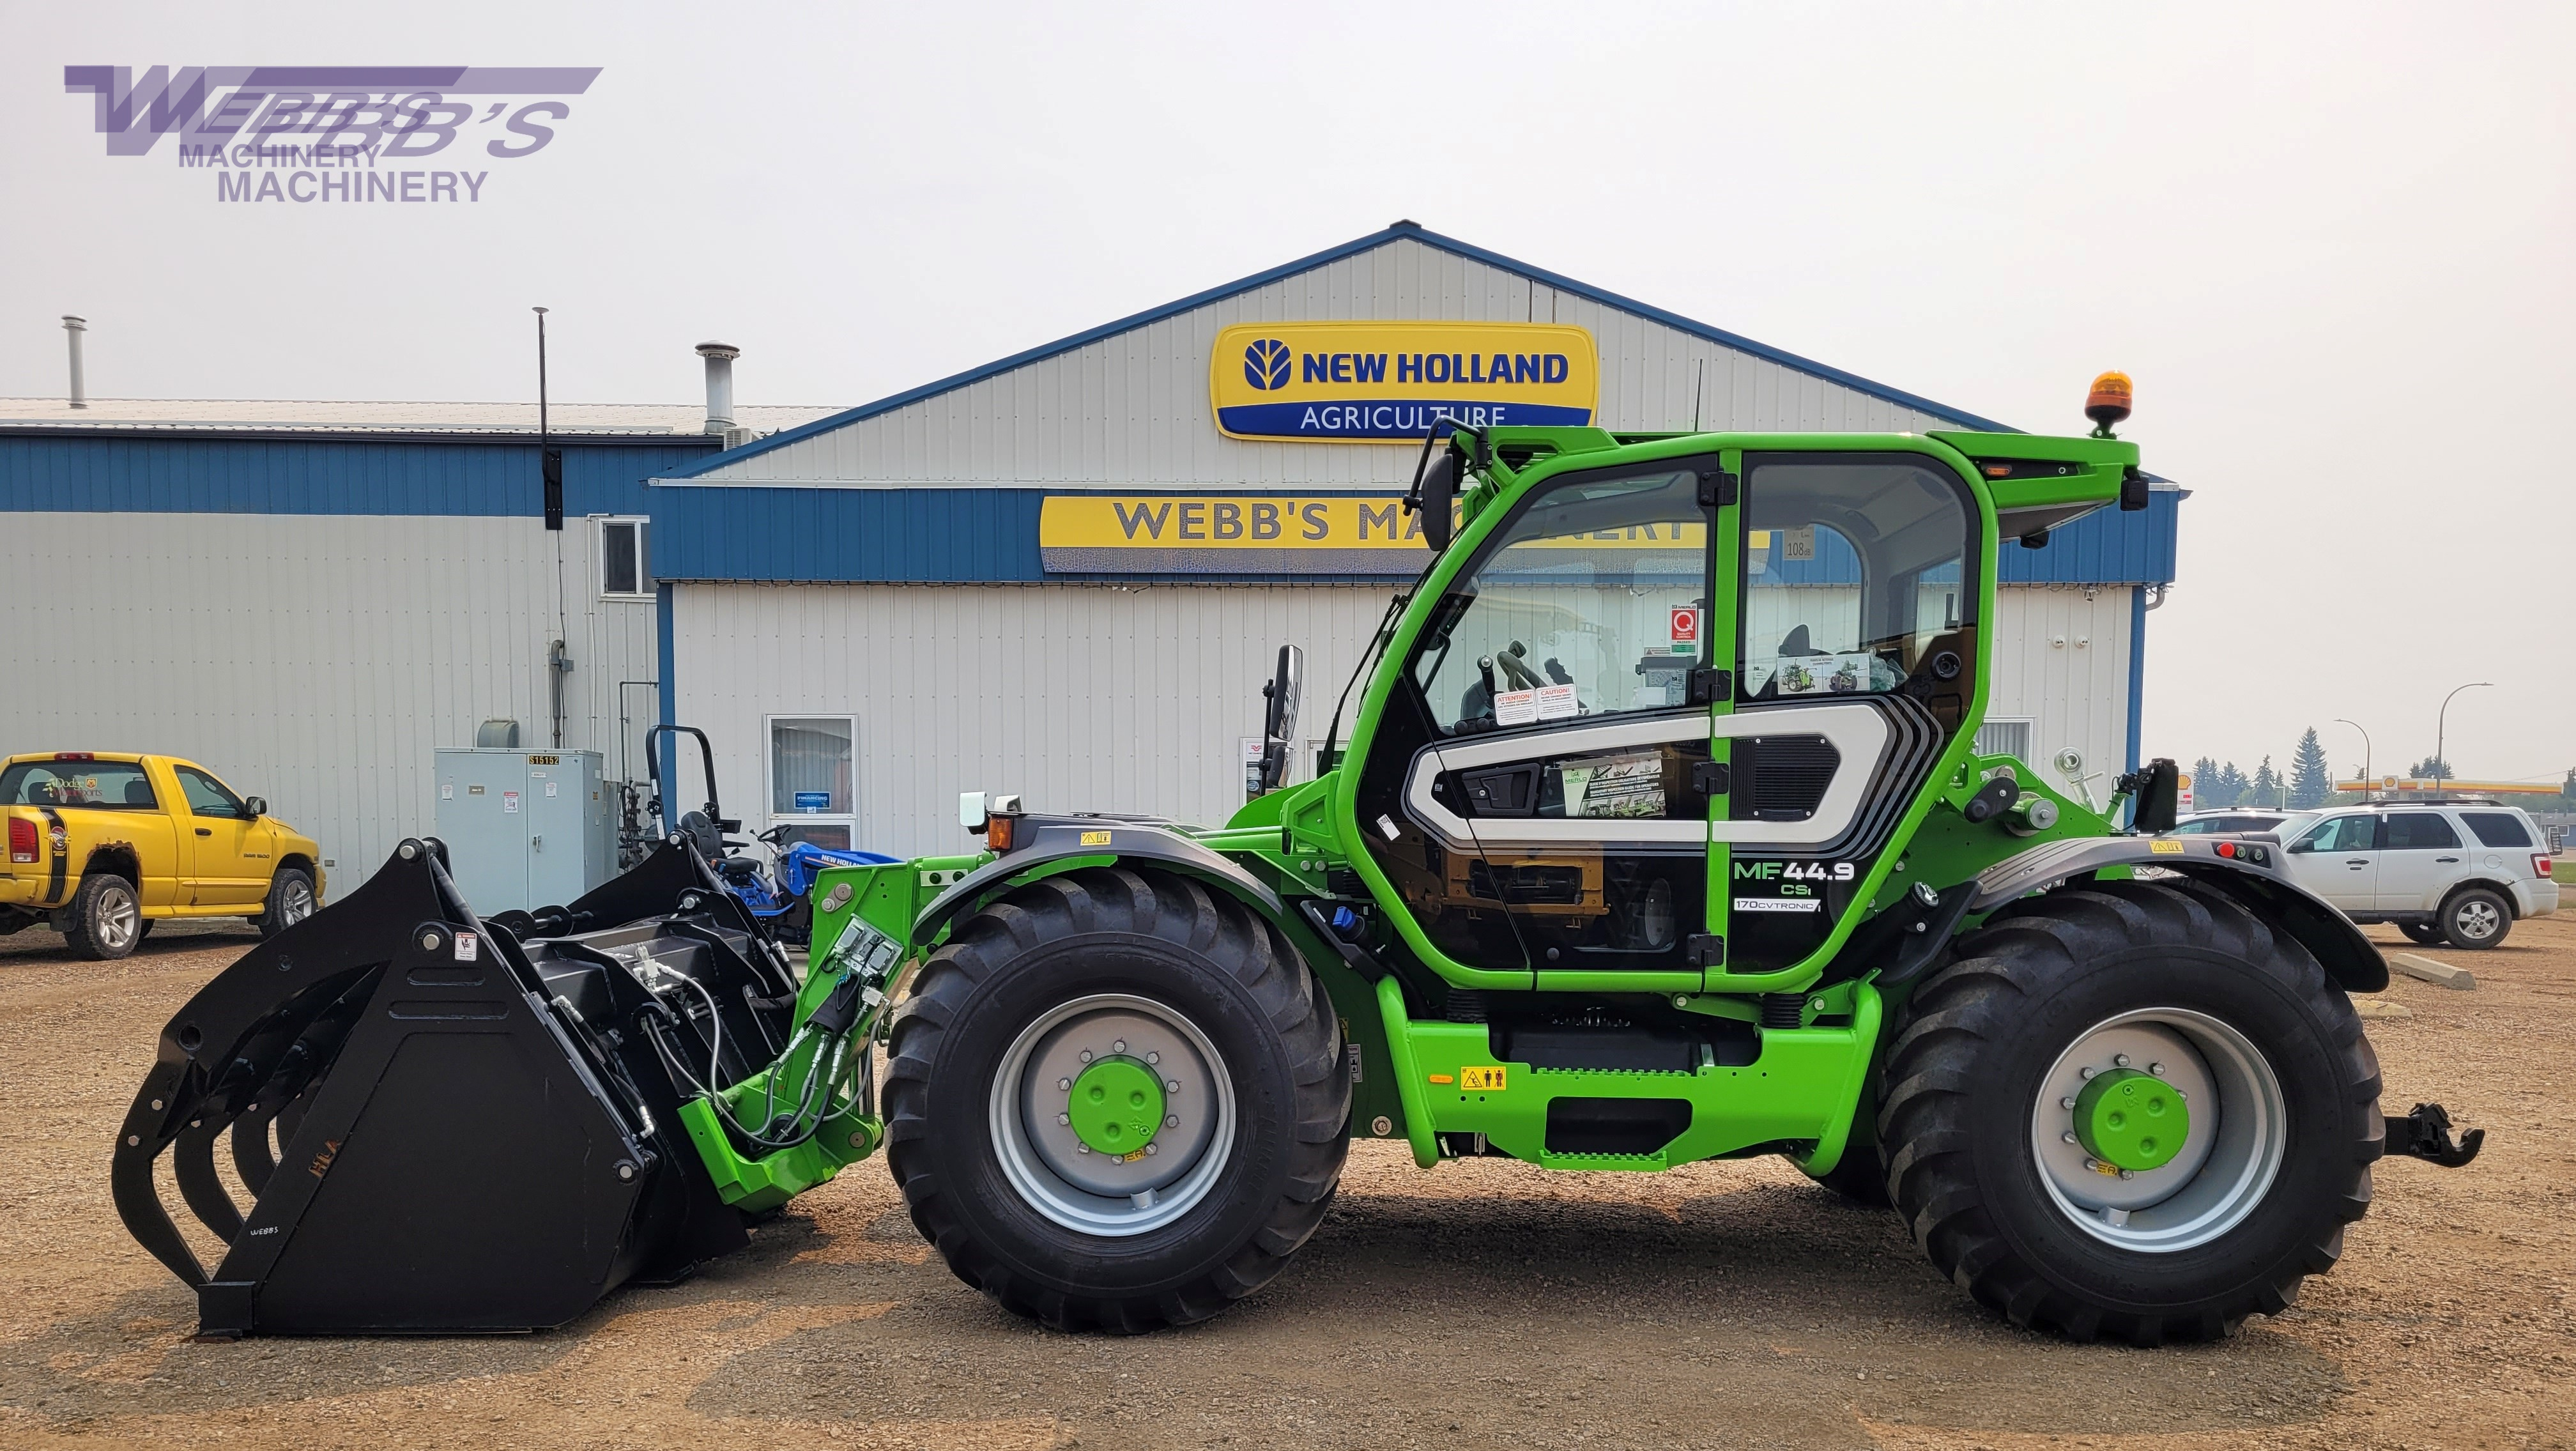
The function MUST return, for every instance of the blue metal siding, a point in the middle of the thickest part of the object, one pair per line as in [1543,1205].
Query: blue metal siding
[325,476]
[990,536]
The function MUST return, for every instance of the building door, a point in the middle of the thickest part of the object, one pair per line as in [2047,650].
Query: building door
[1533,787]
[812,760]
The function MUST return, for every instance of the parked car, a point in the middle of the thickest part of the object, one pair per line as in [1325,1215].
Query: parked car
[2461,871]
[2232,820]
[103,844]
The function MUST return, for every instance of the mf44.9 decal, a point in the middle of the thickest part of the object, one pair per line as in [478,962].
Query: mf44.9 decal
[1773,871]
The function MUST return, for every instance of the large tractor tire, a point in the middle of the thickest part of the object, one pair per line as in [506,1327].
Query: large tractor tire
[2130,1110]
[1116,1100]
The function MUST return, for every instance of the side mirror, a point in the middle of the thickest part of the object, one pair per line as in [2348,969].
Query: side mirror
[2159,797]
[1279,719]
[255,807]
[2303,844]
[1438,492]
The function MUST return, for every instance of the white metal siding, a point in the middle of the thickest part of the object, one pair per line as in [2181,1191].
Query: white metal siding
[1132,409]
[1133,699]
[1080,697]
[2061,661]
[316,660]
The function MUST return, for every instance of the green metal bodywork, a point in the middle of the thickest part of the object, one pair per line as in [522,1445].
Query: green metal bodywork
[1427,1079]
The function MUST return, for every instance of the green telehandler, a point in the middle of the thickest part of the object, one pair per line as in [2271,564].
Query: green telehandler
[1659,834]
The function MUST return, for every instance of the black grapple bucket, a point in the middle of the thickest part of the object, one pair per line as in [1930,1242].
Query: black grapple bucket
[450,1124]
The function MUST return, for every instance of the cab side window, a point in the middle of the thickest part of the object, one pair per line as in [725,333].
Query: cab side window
[2419,831]
[2343,833]
[207,796]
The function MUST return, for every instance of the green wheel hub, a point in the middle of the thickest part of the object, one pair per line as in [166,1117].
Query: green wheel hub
[2130,1120]
[1116,1106]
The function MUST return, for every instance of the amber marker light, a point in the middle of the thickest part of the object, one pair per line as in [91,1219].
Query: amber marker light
[2108,403]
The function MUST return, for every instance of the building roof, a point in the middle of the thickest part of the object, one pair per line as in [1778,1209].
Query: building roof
[200,415]
[1402,231]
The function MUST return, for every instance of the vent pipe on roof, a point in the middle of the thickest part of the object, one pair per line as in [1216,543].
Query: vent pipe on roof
[719,358]
[74,327]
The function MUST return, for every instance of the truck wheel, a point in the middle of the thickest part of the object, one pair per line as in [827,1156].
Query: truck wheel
[1116,1100]
[103,920]
[2131,1110]
[2476,918]
[290,900]
[2430,934]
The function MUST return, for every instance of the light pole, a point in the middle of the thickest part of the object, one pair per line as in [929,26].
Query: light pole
[2365,753]
[2442,719]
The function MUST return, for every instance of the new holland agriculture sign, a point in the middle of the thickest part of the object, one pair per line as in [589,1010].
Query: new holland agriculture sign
[1367,382]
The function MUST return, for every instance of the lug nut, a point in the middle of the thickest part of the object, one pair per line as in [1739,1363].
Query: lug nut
[1082,1148]
[1086,1057]
[2128,1173]
[2119,1060]
[1064,1118]
[1171,1085]
[1118,1047]
[2157,1069]
[1153,1148]
[2066,1103]
[2068,1136]
[1153,1057]
[1171,1120]
[2086,1074]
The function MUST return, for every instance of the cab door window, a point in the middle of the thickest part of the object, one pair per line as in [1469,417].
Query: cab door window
[208,796]
[1854,578]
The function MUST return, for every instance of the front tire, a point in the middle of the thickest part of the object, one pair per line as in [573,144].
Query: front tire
[2175,987]
[290,900]
[104,919]
[1247,1128]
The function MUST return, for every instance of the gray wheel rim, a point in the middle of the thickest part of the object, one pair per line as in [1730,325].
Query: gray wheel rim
[297,904]
[1047,1166]
[117,921]
[2476,919]
[2238,1138]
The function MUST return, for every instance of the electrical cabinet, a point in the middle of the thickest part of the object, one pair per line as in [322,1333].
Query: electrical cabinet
[525,829]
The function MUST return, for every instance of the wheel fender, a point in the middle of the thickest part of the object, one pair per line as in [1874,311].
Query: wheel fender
[1058,838]
[2267,891]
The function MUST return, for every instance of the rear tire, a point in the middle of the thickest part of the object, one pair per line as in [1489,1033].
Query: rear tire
[1233,1015]
[2476,918]
[2220,1001]
[2424,932]
[104,920]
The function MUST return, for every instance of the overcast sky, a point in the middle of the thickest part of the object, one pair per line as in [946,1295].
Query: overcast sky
[2330,242]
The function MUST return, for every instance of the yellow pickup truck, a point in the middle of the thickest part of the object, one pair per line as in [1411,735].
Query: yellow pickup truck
[102,844]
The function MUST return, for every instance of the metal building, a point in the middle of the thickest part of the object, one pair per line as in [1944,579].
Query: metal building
[929,593]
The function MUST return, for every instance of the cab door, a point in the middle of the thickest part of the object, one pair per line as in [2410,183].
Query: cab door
[1537,785]
[2338,859]
[228,851]
[2420,856]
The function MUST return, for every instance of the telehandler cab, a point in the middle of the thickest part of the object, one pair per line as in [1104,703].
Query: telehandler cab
[1660,834]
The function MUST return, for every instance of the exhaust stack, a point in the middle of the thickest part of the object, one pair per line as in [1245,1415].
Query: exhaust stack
[719,358]
[74,327]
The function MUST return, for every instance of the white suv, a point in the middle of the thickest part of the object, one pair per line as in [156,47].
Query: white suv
[2456,871]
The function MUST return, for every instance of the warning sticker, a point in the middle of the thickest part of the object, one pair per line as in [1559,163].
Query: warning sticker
[1480,1080]
[2165,846]
[1515,707]
[509,803]
[1555,702]
[1686,625]
[447,791]
[1095,838]
[550,787]
[468,947]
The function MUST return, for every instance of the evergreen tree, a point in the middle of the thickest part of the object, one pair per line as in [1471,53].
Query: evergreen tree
[2264,789]
[2204,784]
[2431,768]
[2310,783]
[2231,785]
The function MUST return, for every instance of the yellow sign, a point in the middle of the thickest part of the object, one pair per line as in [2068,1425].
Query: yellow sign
[2165,846]
[1095,838]
[1480,1080]
[1274,534]
[1378,382]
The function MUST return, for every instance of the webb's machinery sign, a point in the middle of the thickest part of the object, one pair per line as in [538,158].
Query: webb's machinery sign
[1343,534]
[1371,382]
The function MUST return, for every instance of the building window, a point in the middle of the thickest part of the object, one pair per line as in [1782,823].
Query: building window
[625,565]
[812,786]
[2004,738]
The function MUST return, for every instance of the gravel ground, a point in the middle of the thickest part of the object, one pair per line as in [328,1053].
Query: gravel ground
[1479,1304]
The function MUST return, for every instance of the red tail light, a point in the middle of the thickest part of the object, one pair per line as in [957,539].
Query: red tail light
[2540,864]
[22,839]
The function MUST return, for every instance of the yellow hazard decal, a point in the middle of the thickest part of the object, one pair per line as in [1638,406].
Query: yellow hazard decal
[1480,1080]
[1095,838]
[2165,846]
